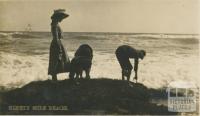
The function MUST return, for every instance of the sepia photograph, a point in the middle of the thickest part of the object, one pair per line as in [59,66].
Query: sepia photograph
[99,57]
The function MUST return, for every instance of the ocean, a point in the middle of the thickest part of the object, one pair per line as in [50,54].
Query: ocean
[170,57]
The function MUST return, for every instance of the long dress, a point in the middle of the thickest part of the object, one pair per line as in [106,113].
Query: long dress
[56,64]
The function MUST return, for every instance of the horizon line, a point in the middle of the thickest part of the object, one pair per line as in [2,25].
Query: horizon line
[111,32]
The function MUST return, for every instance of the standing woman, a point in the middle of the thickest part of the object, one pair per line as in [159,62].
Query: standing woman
[58,59]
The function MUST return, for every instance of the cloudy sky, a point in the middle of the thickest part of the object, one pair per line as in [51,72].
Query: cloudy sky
[139,16]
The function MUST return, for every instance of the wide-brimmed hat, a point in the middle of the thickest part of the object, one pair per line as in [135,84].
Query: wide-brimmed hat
[59,14]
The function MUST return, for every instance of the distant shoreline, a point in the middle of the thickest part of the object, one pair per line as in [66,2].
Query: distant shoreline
[110,33]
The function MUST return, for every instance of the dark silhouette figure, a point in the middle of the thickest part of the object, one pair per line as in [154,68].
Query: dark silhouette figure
[58,59]
[82,61]
[123,53]
[84,50]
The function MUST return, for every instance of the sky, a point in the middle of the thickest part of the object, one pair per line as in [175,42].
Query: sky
[136,16]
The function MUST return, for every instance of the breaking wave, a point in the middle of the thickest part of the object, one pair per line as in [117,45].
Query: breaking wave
[169,58]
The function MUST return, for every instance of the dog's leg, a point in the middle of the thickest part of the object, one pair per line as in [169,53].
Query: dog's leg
[128,75]
[81,74]
[71,74]
[77,75]
[54,77]
[87,72]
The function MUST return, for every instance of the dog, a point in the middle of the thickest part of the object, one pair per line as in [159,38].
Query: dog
[82,61]
[84,50]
